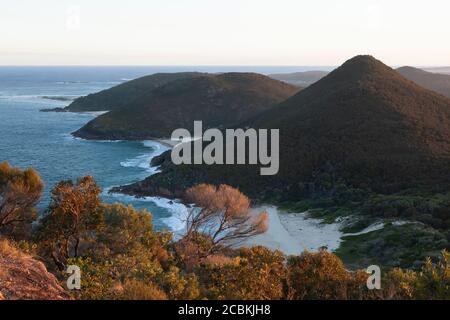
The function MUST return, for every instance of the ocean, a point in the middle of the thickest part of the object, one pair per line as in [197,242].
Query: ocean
[29,138]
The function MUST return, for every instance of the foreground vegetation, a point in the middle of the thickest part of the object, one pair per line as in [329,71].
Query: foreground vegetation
[121,256]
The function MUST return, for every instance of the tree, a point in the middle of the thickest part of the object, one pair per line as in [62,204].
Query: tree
[74,213]
[400,284]
[433,282]
[20,191]
[253,274]
[223,215]
[126,228]
[318,276]
[123,255]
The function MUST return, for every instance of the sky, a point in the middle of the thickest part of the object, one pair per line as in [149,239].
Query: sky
[223,32]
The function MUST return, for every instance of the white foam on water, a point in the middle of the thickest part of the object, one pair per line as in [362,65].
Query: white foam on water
[143,161]
[179,211]
[176,222]
[106,141]
[93,113]
[70,137]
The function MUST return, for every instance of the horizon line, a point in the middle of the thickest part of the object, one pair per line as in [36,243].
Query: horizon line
[158,65]
[202,65]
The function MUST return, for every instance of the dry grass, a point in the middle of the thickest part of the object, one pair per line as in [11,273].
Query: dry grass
[8,250]
[218,260]
[136,290]
[24,278]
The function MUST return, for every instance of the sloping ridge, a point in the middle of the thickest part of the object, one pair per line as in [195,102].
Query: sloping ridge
[439,83]
[363,117]
[120,96]
[218,100]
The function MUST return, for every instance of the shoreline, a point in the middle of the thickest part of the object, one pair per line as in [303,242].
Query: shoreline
[294,233]
[291,233]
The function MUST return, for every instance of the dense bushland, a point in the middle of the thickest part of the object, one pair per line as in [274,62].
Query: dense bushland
[122,257]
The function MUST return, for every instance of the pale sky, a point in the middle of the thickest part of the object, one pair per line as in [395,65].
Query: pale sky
[223,32]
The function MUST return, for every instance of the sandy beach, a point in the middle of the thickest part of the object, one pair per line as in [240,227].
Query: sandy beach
[293,233]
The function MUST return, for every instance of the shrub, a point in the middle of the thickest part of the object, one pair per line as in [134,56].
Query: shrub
[317,276]
[20,190]
[138,290]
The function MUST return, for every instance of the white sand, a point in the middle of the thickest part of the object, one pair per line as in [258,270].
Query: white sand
[293,233]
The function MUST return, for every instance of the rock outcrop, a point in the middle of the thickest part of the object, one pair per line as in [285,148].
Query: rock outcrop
[24,278]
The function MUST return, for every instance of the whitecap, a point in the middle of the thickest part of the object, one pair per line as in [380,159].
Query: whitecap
[93,113]
[143,161]
[106,141]
[179,211]
[71,137]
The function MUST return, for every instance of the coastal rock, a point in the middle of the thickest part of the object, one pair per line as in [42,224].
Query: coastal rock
[54,110]
[158,160]
[24,278]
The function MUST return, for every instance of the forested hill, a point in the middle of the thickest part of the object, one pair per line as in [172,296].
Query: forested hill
[219,100]
[121,95]
[432,81]
[363,123]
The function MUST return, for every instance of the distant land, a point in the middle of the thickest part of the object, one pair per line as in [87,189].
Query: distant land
[445,70]
[433,81]
[302,79]
[436,79]
[123,94]
[219,100]
[60,98]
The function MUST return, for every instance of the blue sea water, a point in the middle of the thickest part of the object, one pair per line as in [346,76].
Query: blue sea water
[29,138]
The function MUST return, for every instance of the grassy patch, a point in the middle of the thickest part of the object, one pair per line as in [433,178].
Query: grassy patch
[394,246]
